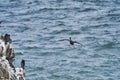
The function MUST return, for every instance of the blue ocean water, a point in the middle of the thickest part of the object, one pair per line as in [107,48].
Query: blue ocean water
[36,26]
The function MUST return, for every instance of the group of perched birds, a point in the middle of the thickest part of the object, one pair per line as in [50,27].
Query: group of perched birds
[7,55]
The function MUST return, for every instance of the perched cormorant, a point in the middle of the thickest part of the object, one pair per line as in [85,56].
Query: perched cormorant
[7,38]
[0,23]
[23,64]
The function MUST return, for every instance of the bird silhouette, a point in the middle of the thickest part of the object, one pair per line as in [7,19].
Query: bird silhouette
[7,38]
[70,41]
[0,23]
[23,64]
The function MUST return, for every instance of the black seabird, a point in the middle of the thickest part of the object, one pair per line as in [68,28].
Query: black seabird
[70,41]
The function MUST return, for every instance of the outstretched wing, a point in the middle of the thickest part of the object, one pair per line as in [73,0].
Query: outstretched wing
[78,43]
[64,40]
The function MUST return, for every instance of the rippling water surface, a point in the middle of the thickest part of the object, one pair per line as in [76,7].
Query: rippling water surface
[36,26]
